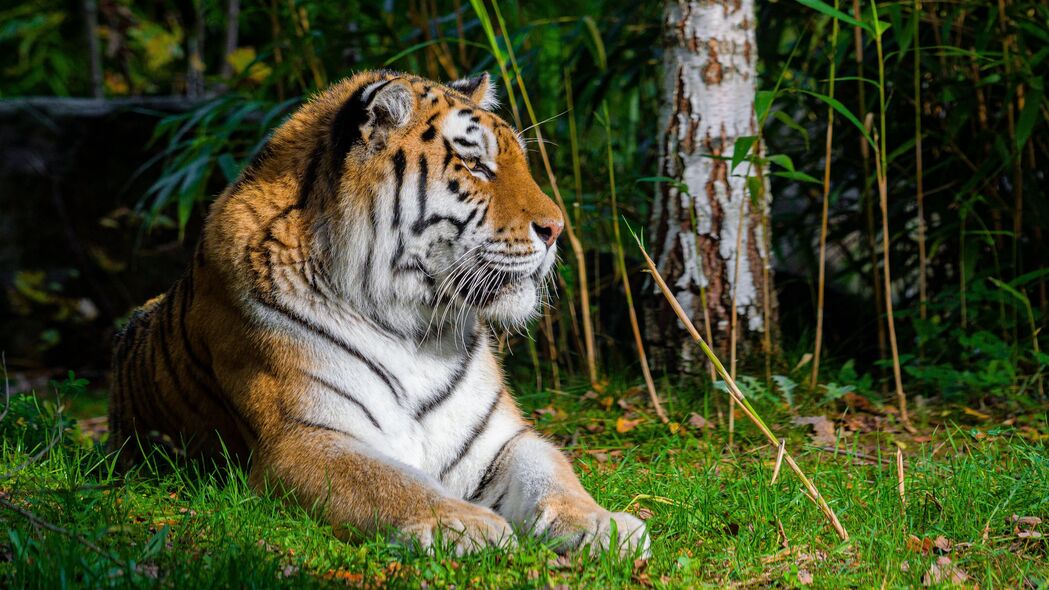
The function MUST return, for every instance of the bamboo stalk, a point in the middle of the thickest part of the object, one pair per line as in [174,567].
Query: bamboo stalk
[880,165]
[573,239]
[923,298]
[577,177]
[621,262]
[866,198]
[737,396]
[822,281]
[232,31]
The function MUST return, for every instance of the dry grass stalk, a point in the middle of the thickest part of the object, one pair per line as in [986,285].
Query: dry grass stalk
[737,396]
[883,199]
[818,348]
[923,299]
[899,477]
[881,164]
[573,238]
[779,460]
[577,175]
[621,263]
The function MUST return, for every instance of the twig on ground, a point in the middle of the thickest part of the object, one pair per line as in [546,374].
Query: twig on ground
[783,541]
[737,396]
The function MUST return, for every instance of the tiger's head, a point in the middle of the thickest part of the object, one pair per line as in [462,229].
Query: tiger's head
[434,217]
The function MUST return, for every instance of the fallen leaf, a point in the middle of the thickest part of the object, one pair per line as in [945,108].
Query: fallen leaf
[644,513]
[804,577]
[697,421]
[943,544]
[560,562]
[976,413]
[625,425]
[922,546]
[1029,535]
[823,429]
[1027,521]
[943,570]
[856,401]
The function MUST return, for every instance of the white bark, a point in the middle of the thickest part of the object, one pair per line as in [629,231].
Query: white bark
[710,80]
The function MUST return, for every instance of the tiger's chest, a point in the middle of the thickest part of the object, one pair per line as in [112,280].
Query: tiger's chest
[415,405]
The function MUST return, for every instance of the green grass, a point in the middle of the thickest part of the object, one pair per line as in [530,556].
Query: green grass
[712,513]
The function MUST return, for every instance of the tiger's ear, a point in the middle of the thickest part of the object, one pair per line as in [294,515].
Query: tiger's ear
[371,114]
[480,89]
[390,103]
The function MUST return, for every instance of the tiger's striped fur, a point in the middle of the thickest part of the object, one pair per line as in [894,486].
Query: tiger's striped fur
[335,324]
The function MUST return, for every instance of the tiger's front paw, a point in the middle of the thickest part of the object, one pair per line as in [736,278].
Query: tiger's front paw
[462,526]
[574,524]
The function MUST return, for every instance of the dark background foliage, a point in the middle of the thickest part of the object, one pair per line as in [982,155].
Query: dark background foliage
[101,199]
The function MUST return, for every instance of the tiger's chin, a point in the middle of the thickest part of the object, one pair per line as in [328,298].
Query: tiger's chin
[513,305]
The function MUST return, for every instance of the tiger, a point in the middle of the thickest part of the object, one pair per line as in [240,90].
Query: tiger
[336,327]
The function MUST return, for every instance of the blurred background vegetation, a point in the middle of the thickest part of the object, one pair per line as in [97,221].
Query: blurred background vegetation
[143,111]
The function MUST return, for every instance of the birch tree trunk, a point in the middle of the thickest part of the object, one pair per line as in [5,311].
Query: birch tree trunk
[706,225]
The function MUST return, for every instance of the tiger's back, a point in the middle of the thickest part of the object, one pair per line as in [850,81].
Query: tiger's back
[163,389]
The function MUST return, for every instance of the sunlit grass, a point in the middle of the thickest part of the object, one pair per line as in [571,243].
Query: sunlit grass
[714,516]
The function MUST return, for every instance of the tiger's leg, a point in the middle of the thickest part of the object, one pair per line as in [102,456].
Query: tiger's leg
[358,489]
[532,484]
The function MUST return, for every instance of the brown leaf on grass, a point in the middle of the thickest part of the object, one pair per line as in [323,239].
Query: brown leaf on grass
[561,562]
[94,428]
[823,429]
[944,571]
[645,513]
[625,425]
[1025,521]
[976,414]
[344,576]
[697,421]
[857,402]
[925,546]
[594,427]
[804,577]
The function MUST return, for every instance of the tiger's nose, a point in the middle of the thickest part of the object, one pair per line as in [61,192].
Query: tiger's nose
[548,230]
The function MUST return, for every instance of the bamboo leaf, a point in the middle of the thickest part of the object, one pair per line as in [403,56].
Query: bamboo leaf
[762,102]
[741,149]
[1029,115]
[844,112]
[794,125]
[832,12]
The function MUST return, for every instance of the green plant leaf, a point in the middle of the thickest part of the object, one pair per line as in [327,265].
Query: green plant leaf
[794,125]
[680,186]
[782,160]
[832,12]
[1029,116]
[762,102]
[795,175]
[844,112]
[741,148]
